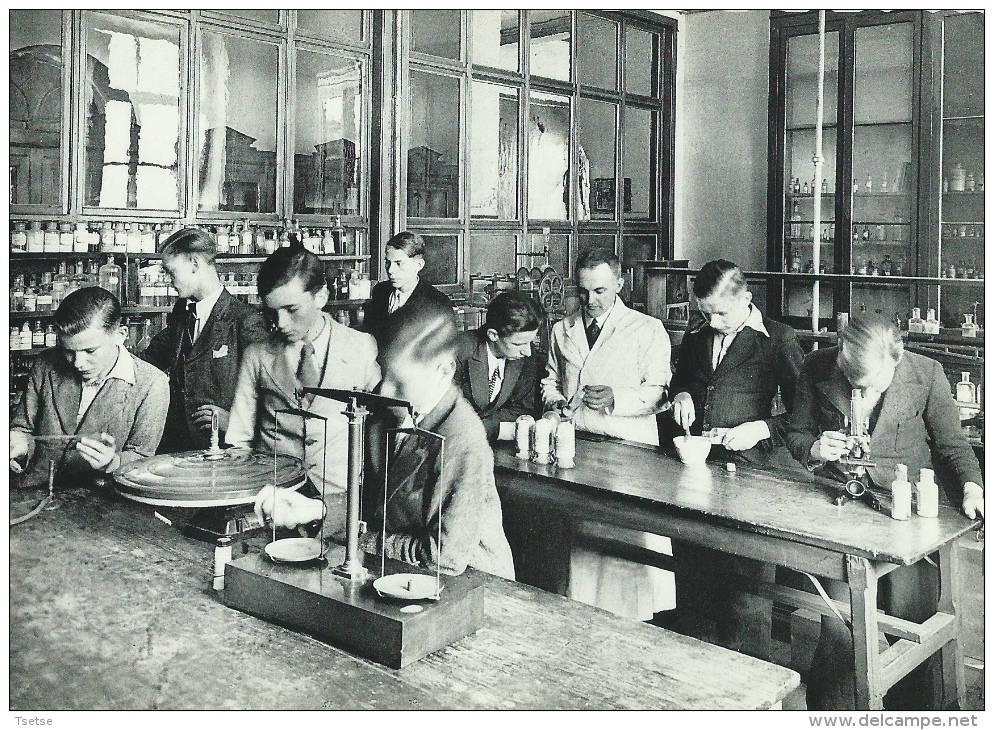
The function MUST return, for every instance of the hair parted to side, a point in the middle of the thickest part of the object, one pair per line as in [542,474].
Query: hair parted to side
[868,343]
[86,308]
[412,244]
[420,332]
[719,277]
[512,312]
[289,263]
[192,242]
[591,258]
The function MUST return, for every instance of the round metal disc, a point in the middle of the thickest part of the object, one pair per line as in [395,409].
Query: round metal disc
[190,479]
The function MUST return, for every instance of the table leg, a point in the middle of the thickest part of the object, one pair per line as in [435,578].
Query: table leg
[862,578]
[953,670]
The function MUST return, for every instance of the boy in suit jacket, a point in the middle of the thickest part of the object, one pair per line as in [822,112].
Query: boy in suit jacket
[497,371]
[91,387]
[308,349]
[418,361]
[202,344]
[404,257]
[731,368]
[913,421]
[609,367]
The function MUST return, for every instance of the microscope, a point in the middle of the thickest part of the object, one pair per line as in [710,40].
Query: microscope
[856,460]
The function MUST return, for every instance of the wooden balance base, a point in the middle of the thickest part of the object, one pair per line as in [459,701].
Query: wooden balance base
[350,614]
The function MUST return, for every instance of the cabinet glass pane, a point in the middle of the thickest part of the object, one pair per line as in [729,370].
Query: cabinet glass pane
[494,152]
[640,62]
[236,142]
[883,74]
[882,162]
[886,300]
[637,248]
[496,36]
[551,36]
[597,128]
[492,253]
[35,106]
[557,245]
[963,65]
[597,47]
[337,25]
[548,156]
[599,241]
[327,161]
[132,103]
[957,301]
[433,149]
[436,32]
[962,213]
[802,79]
[639,164]
[799,302]
[799,233]
[260,16]
[441,259]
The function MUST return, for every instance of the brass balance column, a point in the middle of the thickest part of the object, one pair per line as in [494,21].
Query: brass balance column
[352,568]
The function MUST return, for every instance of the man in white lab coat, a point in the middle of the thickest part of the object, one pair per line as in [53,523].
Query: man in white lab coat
[609,367]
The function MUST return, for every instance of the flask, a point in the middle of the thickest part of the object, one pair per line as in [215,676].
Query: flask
[19,239]
[51,338]
[901,491]
[35,238]
[928,494]
[110,277]
[966,391]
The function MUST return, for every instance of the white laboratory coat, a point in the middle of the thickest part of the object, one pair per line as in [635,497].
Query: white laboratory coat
[632,355]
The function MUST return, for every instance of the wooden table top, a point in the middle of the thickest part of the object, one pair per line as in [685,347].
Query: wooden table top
[750,499]
[111,609]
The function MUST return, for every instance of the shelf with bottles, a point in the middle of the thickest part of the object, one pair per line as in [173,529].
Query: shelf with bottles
[961,269]
[30,339]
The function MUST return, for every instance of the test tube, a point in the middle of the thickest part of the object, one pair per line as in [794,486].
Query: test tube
[566,444]
[543,440]
[522,435]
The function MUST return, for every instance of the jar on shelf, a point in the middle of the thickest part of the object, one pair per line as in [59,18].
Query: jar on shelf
[19,238]
[970,183]
[957,180]
[50,240]
[35,238]
[65,238]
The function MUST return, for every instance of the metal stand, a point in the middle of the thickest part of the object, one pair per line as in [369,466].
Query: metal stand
[352,567]
[857,460]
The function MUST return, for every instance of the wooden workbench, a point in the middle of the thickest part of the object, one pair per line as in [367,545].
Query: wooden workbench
[759,515]
[111,609]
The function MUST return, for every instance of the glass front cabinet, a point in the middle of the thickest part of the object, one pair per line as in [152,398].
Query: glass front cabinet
[902,179]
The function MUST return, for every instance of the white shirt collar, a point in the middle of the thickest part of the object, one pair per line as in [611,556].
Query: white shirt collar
[206,305]
[320,344]
[603,318]
[494,362]
[403,296]
[755,321]
[124,369]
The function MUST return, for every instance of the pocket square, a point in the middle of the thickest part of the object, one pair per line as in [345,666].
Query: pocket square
[222,351]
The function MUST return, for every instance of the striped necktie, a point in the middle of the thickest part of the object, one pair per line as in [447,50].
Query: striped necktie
[494,384]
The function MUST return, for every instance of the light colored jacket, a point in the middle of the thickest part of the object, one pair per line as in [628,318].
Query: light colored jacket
[631,355]
[266,384]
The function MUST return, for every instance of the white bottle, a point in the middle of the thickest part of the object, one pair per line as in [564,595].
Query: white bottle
[901,491]
[928,494]
[19,239]
[36,238]
[65,238]
[50,242]
[931,323]
[26,336]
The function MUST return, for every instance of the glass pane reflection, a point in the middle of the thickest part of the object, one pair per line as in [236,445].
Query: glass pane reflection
[492,253]
[436,32]
[548,149]
[433,148]
[597,124]
[640,61]
[494,152]
[328,155]
[131,150]
[35,106]
[558,248]
[551,36]
[237,141]
[638,158]
[495,38]
[441,259]
[597,47]
[338,25]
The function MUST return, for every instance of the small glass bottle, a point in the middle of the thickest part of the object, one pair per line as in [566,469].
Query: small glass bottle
[797,186]
[147,238]
[901,492]
[44,301]
[65,238]
[30,296]
[247,244]
[968,328]
[966,391]
[931,322]
[38,335]
[824,185]
[970,184]
[928,494]
[120,237]
[26,336]
[51,338]
[35,238]
[957,181]
[50,240]
[19,238]
[110,277]
[886,266]
[15,338]
[132,240]
[869,184]
[805,190]
[17,294]
[866,233]
[915,322]
[883,183]
[328,243]
[106,237]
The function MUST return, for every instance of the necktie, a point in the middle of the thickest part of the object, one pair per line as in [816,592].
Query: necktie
[307,371]
[190,327]
[593,332]
[394,301]
[494,384]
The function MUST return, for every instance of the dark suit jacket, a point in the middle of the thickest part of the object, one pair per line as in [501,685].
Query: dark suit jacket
[211,371]
[376,321]
[518,391]
[133,414]
[918,423]
[743,386]
[463,495]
